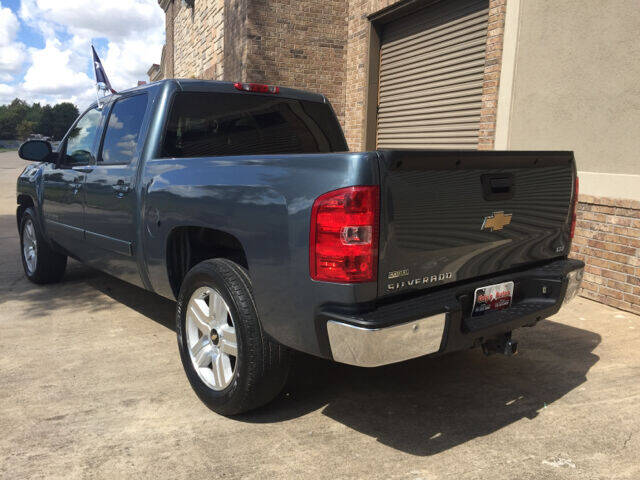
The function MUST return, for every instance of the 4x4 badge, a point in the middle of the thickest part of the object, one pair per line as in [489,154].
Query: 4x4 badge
[496,221]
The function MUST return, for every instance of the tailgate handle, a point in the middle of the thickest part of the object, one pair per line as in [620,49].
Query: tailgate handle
[498,186]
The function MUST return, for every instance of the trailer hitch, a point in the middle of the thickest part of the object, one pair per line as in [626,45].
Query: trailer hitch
[501,344]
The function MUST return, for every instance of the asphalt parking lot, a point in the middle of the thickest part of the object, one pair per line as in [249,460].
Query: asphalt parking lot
[92,387]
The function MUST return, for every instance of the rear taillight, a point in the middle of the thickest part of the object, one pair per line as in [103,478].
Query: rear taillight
[343,243]
[574,213]
[256,87]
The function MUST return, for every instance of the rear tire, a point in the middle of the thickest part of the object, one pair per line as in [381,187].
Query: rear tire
[40,262]
[231,364]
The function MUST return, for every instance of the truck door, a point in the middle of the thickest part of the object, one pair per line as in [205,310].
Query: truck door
[63,198]
[111,200]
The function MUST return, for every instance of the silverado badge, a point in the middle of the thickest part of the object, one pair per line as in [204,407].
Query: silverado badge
[496,221]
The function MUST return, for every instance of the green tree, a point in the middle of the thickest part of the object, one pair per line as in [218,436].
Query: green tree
[51,121]
[7,128]
[24,129]
[35,113]
[45,125]
[64,115]
[10,116]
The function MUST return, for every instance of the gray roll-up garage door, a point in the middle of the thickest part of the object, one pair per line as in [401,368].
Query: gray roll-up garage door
[431,72]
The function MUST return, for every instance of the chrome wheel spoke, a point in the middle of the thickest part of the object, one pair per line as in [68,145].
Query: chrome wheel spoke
[29,246]
[218,309]
[200,316]
[228,342]
[222,371]
[30,232]
[229,348]
[218,370]
[201,352]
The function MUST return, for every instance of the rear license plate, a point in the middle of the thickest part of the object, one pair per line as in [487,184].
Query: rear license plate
[491,298]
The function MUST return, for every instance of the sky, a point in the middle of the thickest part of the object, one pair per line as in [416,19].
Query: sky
[45,47]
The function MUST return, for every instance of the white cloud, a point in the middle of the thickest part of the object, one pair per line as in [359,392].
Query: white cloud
[134,30]
[12,53]
[127,62]
[8,25]
[52,76]
[116,19]
[7,93]
[53,61]
[12,57]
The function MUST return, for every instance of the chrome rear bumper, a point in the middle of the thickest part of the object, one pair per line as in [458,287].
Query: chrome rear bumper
[372,347]
[574,281]
[383,335]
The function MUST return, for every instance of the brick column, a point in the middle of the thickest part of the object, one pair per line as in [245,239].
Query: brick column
[608,241]
[492,66]
[167,60]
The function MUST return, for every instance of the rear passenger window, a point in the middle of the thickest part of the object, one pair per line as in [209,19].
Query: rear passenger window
[123,129]
[217,124]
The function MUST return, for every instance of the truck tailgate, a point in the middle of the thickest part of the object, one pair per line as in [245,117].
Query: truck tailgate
[448,216]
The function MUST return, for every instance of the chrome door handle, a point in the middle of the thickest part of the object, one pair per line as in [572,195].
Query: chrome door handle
[83,168]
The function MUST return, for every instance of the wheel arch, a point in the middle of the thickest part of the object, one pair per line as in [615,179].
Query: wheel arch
[186,246]
[24,202]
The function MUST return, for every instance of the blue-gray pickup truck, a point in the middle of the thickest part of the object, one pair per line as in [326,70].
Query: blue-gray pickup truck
[242,202]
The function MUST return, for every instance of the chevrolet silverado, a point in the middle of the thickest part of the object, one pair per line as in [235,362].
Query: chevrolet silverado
[242,202]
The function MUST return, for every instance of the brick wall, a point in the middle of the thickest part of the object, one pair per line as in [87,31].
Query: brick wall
[166,65]
[317,46]
[235,39]
[198,39]
[608,241]
[492,67]
[357,68]
[299,44]
[358,64]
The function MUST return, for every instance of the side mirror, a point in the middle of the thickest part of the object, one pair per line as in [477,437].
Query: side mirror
[35,151]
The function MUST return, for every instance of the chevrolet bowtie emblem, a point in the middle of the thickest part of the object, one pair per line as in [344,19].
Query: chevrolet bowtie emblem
[496,221]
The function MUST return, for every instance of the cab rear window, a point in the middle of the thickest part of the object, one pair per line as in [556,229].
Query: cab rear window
[220,124]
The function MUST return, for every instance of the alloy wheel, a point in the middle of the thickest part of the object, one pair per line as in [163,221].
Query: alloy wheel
[30,246]
[211,338]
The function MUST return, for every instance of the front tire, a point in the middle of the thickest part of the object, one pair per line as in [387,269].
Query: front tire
[231,364]
[40,263]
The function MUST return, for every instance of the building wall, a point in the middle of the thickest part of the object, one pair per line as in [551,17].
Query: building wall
[323,47]
[570,81]
[298,44]
[359,62]
[166,65]
[492,69]
[576,87]
[357,68]
[608,241]
[235,39]
[198,39]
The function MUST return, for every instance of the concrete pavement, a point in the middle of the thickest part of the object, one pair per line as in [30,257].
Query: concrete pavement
[92,387]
